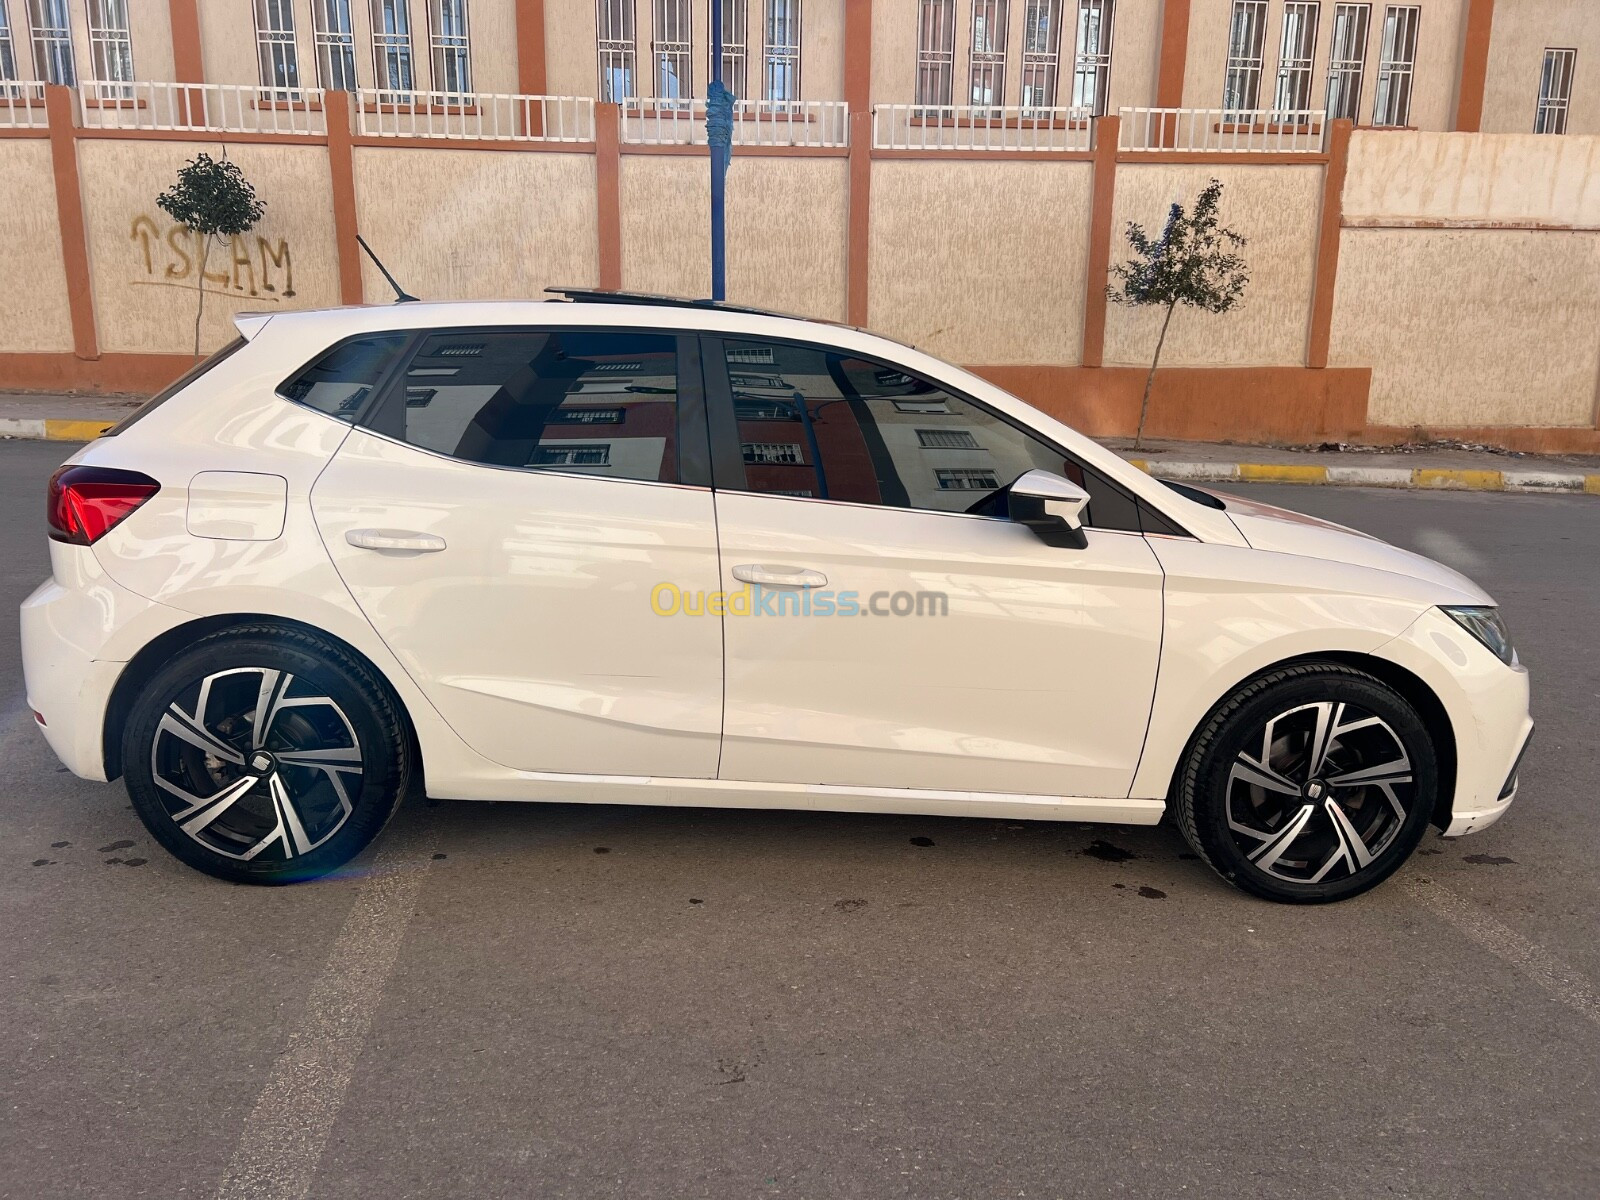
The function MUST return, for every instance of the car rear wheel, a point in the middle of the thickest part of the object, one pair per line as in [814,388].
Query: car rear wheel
[265,755]
[1309,784]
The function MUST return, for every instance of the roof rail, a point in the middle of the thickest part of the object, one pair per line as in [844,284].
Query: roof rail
[586,295]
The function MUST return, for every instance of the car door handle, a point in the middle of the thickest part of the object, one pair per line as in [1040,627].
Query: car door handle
[780,577]
[394,539]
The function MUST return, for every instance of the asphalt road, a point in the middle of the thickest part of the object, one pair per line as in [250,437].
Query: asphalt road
[553,1001]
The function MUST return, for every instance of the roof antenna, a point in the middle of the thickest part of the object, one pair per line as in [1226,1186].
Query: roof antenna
[401,296]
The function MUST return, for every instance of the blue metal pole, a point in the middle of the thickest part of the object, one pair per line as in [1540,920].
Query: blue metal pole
[719,133]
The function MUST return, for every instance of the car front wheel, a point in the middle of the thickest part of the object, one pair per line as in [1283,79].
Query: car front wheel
[1309,784]
[265,755]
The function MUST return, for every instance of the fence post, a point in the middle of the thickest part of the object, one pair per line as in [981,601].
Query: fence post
[58,109]
[342,168]
[1327,274]
[858,230]
[1107,134]
[608,191]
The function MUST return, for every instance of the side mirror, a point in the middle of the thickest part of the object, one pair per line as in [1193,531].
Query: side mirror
[1050,506]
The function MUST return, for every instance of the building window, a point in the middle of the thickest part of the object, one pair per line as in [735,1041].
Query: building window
[111,47]
[987,56]
[1247,34]
[735,14]
[336,44]
[1347,60]
[1555,91]
[780,66]
[936,51]
[8,52]
[772,453]
[586,416]
[614,24]
[1295,53]
[52,41]
[964,479]
[1041,53]
[674,78]
[571,456]
[947,439]
[1396,63]
[452,62]
[391,48]
[1091,73]
[756,408]
[275,49]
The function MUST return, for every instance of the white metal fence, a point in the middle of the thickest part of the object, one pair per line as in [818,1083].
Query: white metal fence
[22,106]
[474,116]
[1223,131]
[965,127]
[205,107]
[649,122]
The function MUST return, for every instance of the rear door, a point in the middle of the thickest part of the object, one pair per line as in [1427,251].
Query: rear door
[502,515]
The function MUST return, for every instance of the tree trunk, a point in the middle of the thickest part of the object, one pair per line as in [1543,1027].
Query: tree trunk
[1149,380]
[200,303]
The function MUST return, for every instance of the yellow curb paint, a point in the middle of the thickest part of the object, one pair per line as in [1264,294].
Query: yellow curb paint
[1282,473]
[1145,467]
[74,431]
[1591,484]
[1476,481]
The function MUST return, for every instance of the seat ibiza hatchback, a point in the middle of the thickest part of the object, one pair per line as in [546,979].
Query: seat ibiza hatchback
[625,549]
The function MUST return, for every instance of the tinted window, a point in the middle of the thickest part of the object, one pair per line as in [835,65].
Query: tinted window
[822,424]
[563,400]
[340,381]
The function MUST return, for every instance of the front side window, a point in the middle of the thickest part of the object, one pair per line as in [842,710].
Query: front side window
[1395,65]
[111,47]
[1295,54]
[1247,34]
[1091,73]
[52,41]
[988,53]
[673,48]
[614,27]
[595,403]
[336,44]
[936,51]
[827,425]
[1555,91]
[1347,60]
[780,56]
[391,48]
[452,60]
[341,381]
[275,49]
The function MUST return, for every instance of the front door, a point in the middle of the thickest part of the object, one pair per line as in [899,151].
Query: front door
[503,519]
[888,638]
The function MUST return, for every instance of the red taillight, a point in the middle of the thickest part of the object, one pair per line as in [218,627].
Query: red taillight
[86,503]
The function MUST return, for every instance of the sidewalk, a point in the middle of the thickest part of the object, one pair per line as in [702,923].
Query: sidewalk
[1451,466]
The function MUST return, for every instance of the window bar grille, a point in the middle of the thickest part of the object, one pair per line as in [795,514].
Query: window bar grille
[1091,72]
[1396,63]
[1555,90]
[1247,31]
[1347,60]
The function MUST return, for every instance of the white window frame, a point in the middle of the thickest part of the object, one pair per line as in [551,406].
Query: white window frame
[1397,64]
[936,52]
[780,51]
[672,52]
[276,50]
[50,30]
[446,48]
[1041,53]
[735,46]
[1559,65]
[335,47]
[1247,41]
[394,66]
[617,38]
[1297,55]
[986,53]
[1091,66]
[1347,60]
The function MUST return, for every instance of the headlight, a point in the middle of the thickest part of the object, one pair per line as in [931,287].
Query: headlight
[1485,623]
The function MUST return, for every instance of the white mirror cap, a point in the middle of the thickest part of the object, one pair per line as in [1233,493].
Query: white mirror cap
[1042,485]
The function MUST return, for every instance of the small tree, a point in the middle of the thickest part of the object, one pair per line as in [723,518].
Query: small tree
[1192,263]
[211,199]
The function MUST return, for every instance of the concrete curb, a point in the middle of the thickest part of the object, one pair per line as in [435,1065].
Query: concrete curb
[1435,478]
[50,429]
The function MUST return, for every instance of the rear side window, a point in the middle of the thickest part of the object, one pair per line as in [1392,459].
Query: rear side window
[340,382]
[172,389]
[590,402]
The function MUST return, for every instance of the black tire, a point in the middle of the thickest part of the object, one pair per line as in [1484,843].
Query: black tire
[328,768]
[1238,816]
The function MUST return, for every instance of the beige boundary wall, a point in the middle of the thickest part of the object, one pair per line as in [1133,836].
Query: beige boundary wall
[1454,283]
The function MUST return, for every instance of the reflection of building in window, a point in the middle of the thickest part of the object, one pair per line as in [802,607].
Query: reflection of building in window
[754,355]
[777,453]
[753,408]
[586,416]
[966,479]
[459,350]
[571,456]
[420,397]
[946,439]
[929,407]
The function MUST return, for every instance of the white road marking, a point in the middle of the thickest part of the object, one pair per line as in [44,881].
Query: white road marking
[287,1130]
[1561,981]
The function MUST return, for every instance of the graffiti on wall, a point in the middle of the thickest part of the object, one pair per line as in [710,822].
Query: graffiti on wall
[245,265]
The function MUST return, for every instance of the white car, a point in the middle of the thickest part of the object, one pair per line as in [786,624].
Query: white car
[634,550]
